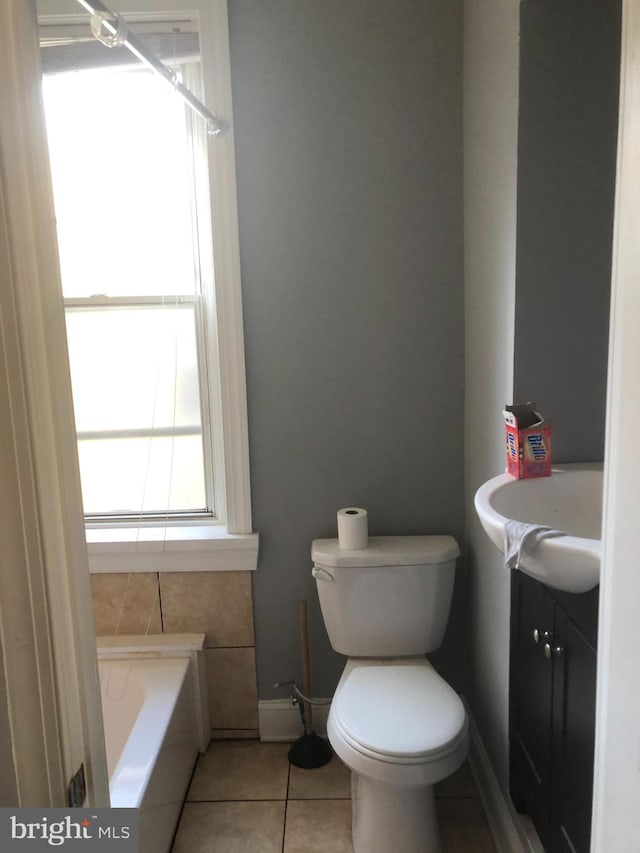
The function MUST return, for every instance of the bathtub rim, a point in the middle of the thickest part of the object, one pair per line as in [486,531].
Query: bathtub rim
[165,684]
[158,646]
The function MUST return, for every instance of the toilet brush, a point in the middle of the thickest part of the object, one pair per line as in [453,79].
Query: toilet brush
[310,750]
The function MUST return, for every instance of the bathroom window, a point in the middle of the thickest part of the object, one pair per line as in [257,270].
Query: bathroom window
[123,166]
[152,345]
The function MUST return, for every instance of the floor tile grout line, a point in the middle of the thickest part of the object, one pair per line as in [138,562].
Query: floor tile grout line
[240,800]
[318,799]
[446,801]
[286,807]
[185,801]
[287,797]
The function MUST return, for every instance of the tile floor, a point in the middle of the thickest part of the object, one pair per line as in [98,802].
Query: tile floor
[245,797]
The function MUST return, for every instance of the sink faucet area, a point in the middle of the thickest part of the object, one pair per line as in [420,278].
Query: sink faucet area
[569,502]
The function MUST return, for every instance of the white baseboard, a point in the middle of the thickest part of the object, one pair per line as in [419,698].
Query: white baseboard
[279,720]
[510,833]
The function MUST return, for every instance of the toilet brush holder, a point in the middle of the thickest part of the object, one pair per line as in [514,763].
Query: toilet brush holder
[310,750]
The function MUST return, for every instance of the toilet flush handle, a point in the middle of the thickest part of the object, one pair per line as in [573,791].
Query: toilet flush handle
[321,574]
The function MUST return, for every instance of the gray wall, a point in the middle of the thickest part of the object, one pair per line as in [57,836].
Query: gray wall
[490,167]
[569,71]
[348,143]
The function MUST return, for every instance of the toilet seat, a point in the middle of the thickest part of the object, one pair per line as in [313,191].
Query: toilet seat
[403,712]
[398,721]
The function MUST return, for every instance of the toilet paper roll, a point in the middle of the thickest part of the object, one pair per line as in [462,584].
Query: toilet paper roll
[352,528]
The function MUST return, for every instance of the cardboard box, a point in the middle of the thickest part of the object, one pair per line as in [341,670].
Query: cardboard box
[528,442]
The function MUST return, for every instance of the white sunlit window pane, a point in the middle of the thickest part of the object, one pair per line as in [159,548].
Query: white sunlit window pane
[134,374]
[142,475]
[134,368]
[118,144]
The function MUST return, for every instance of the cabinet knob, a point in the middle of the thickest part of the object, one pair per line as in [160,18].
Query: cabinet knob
[540,635]
[556,651]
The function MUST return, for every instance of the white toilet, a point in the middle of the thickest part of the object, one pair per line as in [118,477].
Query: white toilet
[394,721]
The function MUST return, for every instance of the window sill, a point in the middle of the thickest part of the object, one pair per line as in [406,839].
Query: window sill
[186,548]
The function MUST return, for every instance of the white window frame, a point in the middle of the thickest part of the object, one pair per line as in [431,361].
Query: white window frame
[228,543]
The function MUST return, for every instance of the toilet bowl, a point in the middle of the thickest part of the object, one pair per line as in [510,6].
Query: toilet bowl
[394,721]
[400,728]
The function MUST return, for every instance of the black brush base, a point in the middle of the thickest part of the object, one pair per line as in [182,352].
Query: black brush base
[310,751]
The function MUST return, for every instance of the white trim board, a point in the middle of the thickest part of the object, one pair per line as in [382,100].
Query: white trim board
[184,549]
[46,621]
[616,817]
[508,829]
[279,720]
[158,646]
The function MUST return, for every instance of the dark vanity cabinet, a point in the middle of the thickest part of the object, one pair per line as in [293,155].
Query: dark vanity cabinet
[552,711]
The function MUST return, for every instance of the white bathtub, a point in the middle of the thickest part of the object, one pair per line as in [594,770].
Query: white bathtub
[155,723]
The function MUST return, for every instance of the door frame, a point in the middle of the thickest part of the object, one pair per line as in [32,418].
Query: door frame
[47,632]
[616,817]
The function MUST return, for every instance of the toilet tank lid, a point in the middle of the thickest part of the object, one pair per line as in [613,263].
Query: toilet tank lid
[387,551]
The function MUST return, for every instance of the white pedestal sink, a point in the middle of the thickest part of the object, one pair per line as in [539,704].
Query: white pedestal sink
[569,501]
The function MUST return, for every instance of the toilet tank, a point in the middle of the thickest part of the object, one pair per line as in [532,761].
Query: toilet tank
[389,599]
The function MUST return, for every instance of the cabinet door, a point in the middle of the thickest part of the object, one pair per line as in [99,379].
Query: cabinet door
[573,742]
[531,701]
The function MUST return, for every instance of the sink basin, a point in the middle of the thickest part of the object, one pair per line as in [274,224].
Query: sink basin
[570,500]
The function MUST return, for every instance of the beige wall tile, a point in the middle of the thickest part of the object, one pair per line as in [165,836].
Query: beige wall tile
[126,603]
[218,604]
[233,696]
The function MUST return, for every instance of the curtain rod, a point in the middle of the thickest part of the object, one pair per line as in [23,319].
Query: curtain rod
[113,23]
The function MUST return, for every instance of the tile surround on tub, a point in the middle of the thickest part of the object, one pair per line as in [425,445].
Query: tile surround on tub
[219,604]
[126,604]
[233,693]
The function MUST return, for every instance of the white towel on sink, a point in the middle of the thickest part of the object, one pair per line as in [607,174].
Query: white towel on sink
[521,538]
